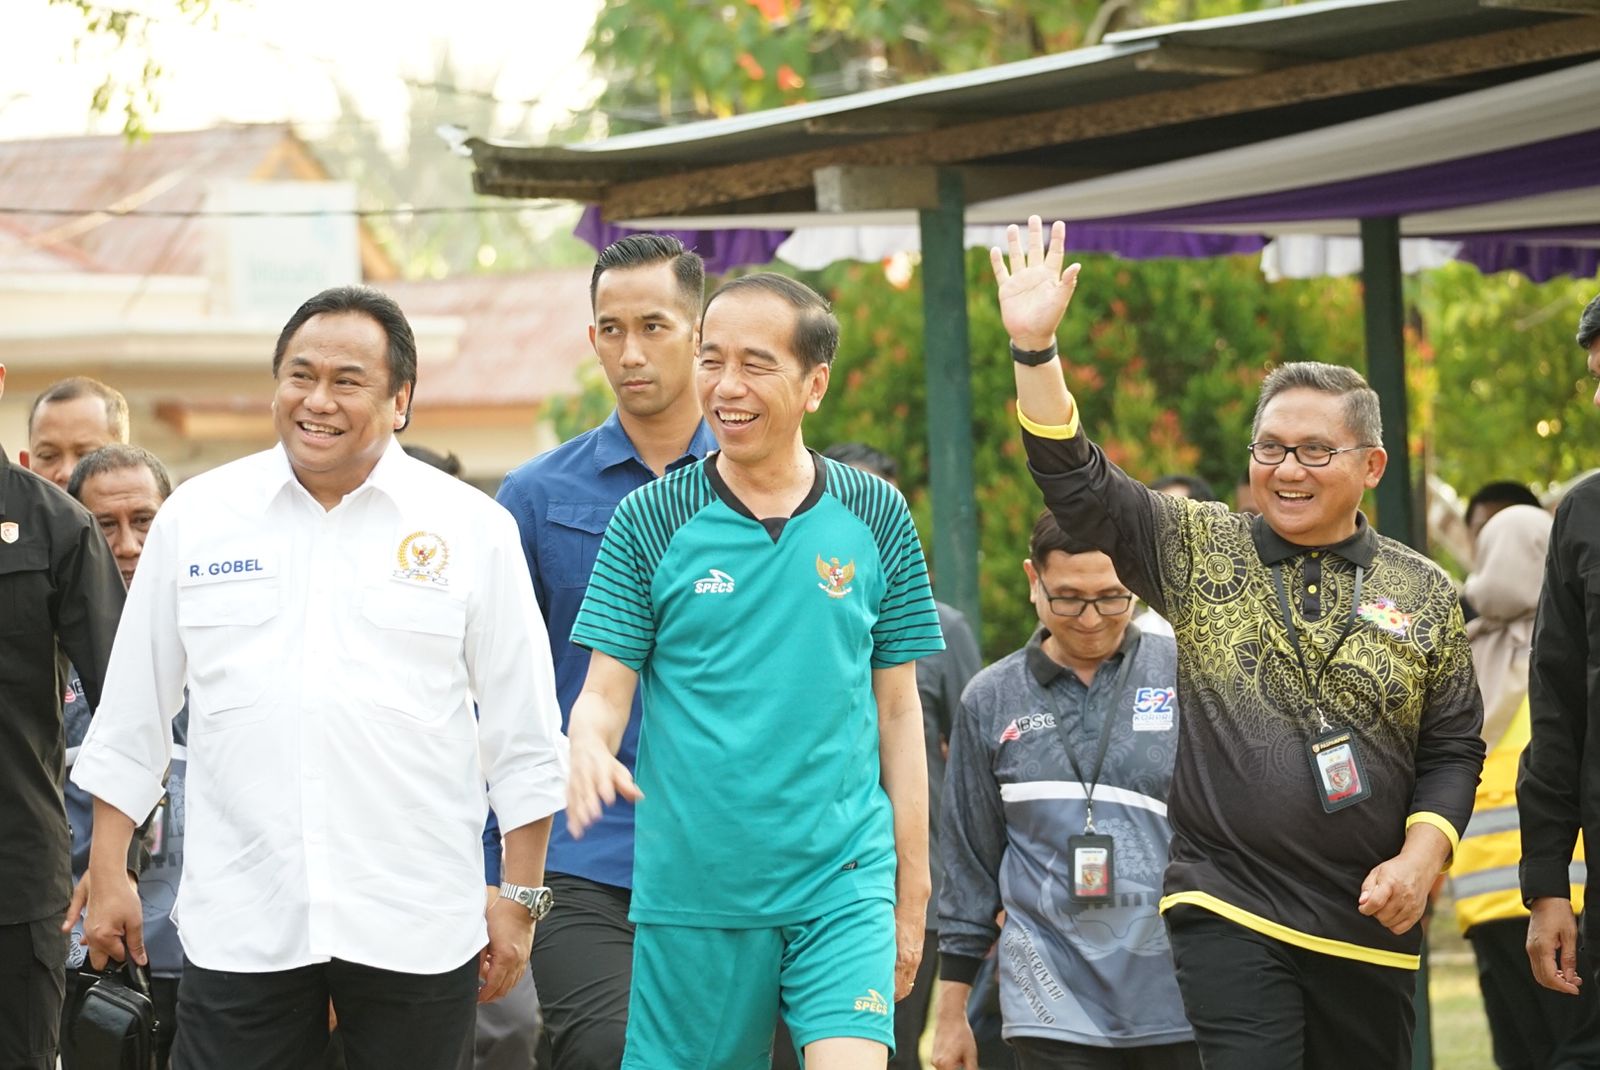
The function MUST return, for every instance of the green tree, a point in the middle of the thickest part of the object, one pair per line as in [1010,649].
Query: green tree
[668,61]
[1514,394]
[137,95]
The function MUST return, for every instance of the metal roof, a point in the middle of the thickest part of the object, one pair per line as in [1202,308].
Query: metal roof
[1127,65]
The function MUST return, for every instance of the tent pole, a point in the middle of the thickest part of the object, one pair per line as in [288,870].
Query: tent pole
[1386,371]
[949,385]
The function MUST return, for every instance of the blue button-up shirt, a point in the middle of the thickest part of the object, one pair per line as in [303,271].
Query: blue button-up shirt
[562,501]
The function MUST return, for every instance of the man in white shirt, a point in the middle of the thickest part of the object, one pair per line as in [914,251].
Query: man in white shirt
[334,609]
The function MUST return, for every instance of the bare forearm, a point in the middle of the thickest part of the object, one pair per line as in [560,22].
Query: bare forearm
[524,849]
[113,833]
[1042,392]
[904,763]
[597,719]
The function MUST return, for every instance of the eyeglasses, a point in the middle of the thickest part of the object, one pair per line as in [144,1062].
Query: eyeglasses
[1111,605]
[1310,455]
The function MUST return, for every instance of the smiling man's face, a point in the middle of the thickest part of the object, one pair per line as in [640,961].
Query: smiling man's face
[1312,506]
[335,409]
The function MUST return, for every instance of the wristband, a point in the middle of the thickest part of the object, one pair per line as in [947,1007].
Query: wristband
[1032,358]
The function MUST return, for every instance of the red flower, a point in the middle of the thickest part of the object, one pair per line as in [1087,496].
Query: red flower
[751,67]
[788,80]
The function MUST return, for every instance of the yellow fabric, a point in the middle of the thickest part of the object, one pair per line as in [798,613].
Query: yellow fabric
[1320,944]
[1497,790]
[1059,433]
[1428,817]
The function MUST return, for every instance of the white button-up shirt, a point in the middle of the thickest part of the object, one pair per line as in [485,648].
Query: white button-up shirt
[336,776]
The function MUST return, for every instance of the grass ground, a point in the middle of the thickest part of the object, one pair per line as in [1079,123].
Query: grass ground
[1460,1031]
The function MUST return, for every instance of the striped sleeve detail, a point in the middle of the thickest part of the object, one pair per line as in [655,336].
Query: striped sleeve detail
[618,615]
[907,627]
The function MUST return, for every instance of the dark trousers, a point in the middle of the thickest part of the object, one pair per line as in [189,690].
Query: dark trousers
[33,958]
[1532,1027]
[583,967]
[279,1020]
[1037,1053]
[910,1018]
[1260,1004]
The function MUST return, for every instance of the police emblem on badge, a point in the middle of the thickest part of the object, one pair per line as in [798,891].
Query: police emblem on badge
[835,577]
[422,557]
[9,531]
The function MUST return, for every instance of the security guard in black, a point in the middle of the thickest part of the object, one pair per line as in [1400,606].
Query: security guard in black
[60,598]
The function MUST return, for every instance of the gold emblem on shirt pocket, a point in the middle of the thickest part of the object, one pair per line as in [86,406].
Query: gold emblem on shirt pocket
[227,671]
[423,631]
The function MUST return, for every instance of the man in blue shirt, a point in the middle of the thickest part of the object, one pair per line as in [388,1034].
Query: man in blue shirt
[646,293]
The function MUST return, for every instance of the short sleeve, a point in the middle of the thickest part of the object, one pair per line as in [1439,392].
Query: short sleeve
[908,621]
[617,616]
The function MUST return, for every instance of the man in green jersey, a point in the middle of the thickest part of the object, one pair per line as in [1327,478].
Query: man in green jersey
[772,604]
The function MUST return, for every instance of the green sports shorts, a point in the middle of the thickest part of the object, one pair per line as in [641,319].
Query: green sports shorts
[709,999]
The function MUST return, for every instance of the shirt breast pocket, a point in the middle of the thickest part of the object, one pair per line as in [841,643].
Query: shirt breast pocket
[572,540]
[223,626]
[24,590]
[422,675]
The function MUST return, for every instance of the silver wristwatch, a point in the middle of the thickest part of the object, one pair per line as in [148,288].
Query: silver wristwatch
[538,901]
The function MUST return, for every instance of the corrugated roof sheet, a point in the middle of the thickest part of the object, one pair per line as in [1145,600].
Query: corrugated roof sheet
[525,338]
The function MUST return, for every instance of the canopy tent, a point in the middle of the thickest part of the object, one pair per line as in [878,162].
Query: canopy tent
[1510,173]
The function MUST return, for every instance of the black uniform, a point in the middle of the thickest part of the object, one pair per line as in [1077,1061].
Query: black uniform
[60,598]
[1555,800]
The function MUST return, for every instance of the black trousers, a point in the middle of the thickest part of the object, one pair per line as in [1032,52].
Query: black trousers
[1532,1027]
[1037,1053]
[279,1020]
[910,1018]
[583,967]
[33,962]
[1260,1004]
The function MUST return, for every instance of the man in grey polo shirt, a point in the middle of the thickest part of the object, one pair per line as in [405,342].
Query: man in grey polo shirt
[1055,810]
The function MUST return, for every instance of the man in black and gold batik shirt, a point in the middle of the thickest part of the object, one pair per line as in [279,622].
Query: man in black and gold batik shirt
[1329,746]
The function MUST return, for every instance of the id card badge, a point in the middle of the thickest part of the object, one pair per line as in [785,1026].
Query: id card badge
[1093,867]
[1336,769]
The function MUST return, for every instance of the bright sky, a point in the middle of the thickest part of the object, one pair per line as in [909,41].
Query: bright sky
[274,60]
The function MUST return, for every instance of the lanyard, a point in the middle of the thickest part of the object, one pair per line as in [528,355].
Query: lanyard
[1314,688]
[1105,736]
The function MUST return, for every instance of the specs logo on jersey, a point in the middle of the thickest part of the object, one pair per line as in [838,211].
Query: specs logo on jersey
[835,577]
[715,582]
[873,1003]
[422,557]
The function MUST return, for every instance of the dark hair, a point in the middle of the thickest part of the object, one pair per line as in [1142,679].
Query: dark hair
[448,463]
[378,306]
[114,458]
[1503,492]
[861,455]
[81,386]
[1361,412]
[1589,323]
[642,250]
[816,331]
[1199,490]
[1048,538]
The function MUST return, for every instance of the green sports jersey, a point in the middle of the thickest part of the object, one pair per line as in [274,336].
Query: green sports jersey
[755,642]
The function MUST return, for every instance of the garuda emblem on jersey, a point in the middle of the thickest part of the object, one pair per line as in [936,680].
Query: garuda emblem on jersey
[422,556]
[835,577]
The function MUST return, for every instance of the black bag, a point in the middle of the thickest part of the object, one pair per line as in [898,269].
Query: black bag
[115,1027]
